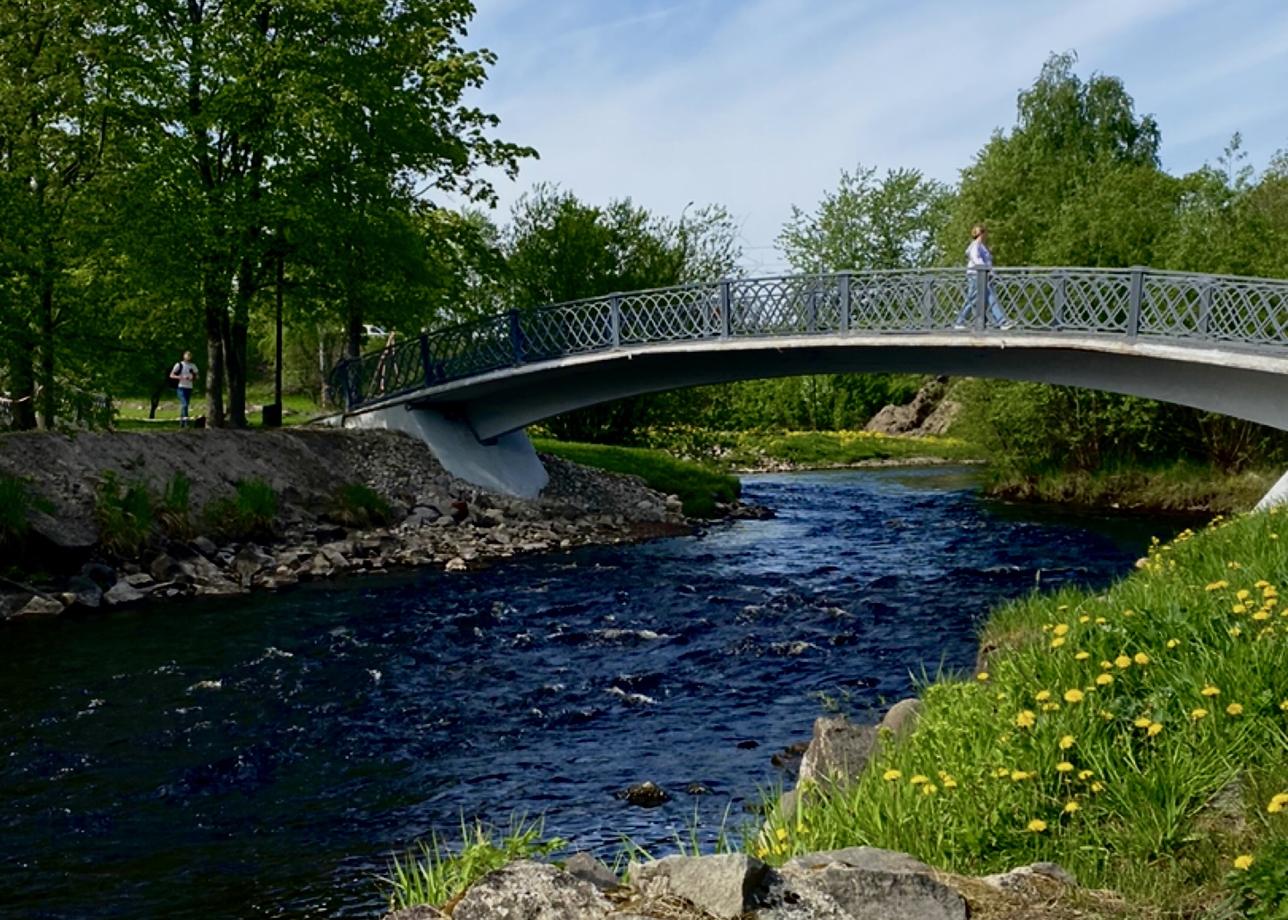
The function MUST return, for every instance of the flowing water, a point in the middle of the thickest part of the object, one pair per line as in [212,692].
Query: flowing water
[263,757]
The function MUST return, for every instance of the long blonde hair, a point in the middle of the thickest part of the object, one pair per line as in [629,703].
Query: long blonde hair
[977,231]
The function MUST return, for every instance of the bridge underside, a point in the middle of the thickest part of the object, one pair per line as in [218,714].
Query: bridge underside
[1238,384]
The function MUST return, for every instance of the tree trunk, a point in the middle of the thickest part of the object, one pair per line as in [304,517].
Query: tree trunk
[215,318]
[22,379]
[48,395]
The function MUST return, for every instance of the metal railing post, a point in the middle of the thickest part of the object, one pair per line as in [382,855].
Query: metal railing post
[615,320]
[844,282]
[1061,299]
[516,337]
[1133,303]
[811,310]
[726,309]
[928,302]
[981,298]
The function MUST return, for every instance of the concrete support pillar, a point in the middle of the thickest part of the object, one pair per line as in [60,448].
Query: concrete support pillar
[1278,494]
[508,465]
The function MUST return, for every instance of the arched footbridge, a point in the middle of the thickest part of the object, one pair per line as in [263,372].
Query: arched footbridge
[1214,342]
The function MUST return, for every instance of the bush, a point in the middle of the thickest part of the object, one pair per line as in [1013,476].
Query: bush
[124,515]
[250,514]
[17,501]
[356,505]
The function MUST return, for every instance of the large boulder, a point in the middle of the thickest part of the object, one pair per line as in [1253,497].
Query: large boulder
[860,883]
[722,885]
[838,752]
[527,890]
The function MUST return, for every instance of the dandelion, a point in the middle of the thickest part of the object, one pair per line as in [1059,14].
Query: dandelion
[1172,643]
[1141,658]
[949,782]
[1084,619]
[1042,696]
[1283,705]
[1216,585]
[1101,621]
[1066,742]
[1154,729]
[891,775]
[1064,767]
[1243,594]
[1057,641]
[1071,807]
[1050,707]
[1097,786]
[1197,714]
[1073,695]
[1243,862]
[1061,629]
[1277,803]
[1085,775]
[1104,680]
[982,676]
[1235,632]
[781,833]
[1210,690]
[1019,776]
[1037,826]
[1106,665]
[1261,615]
[919,779]
[1082,656]
[1123,662]
[1002,772]
[1026,719]
[1143,722]
[1239,608]
[929,789]
[1234,709]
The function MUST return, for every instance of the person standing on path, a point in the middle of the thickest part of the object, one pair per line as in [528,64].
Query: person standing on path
[978,259]
[185,373]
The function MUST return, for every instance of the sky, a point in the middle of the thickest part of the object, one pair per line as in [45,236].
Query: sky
[758,105]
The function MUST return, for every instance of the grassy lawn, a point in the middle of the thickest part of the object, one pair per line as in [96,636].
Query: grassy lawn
[698,486]
[804,449]
[1135,736]
[132,411]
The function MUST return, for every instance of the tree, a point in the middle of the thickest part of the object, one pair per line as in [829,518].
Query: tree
[868,223]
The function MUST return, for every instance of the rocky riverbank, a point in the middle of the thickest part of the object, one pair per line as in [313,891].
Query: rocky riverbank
[433,518]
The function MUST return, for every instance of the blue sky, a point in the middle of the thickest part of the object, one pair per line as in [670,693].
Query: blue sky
[759,104]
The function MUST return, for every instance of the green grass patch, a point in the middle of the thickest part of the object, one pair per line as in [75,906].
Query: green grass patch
[698,486]
[803,449]
[1136,736]
[125,515]
[249,514]
[437,871]
[1175,487]
[357,505]
[132,410]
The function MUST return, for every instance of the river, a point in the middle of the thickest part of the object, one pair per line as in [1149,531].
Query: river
[263,756]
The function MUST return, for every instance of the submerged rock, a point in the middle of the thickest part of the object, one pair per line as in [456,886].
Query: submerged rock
[645,795]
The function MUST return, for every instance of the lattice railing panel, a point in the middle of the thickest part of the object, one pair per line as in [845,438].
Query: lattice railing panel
[800,305]
[670,315]
[567,329]
[1250,313]
[1176,308]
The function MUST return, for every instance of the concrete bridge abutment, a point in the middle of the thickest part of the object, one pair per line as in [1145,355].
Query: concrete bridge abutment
[507,464]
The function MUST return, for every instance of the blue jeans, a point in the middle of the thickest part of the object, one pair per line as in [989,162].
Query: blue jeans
[972,294]
[185,396]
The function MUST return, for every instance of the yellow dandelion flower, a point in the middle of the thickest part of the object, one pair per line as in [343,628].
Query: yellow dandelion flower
[1277,803]
[1239,608]
[1064,767]
[1236,631]
[1026,719]
[1061,629]
[1283,705]
[1050,707]
[1085,775]
[1243,862]
[1216,585]
[781,833]
[1018,776]
[1197,714]
[1071,807]
[1084,619]
[1042,696]
[1261,615]
[1073,695]
[1141,658]
[891,775]
[1097,786]
[1106,665]
[1243,594]
[1234,709]
[919,779]
[1066,742]
[981,676]
[1104,680]
[1154,729]
[1101,621]
[1037,826]
[1210,690]
[1172,643]
[1123,662]
[1002,772]
[1142,722]
[929,789]
[950,783]
[1082,656]
[1129,613]
[1057,641]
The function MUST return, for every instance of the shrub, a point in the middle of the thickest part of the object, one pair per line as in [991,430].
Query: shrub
[17,501]
[124,515]
[357,505]
[247,515]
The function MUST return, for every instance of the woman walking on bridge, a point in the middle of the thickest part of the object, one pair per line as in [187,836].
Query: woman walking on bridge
[978,259]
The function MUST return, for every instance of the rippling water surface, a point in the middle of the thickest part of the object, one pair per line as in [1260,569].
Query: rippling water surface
[263,757]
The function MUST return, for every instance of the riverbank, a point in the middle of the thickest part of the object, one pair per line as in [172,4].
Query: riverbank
[104,519]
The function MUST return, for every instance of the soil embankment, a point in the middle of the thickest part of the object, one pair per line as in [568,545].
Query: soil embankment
[433,518]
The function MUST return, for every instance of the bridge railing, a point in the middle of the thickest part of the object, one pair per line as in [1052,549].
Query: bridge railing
[1134,303]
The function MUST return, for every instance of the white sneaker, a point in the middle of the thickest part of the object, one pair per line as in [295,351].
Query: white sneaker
[1007,325]
[959,326]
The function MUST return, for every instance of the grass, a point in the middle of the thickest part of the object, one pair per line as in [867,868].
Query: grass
[1177,487]
[132,411]
[358,505]
[699,487]
[249,514]
[1135,736]
[17,501]
[440,872]
[803,449]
